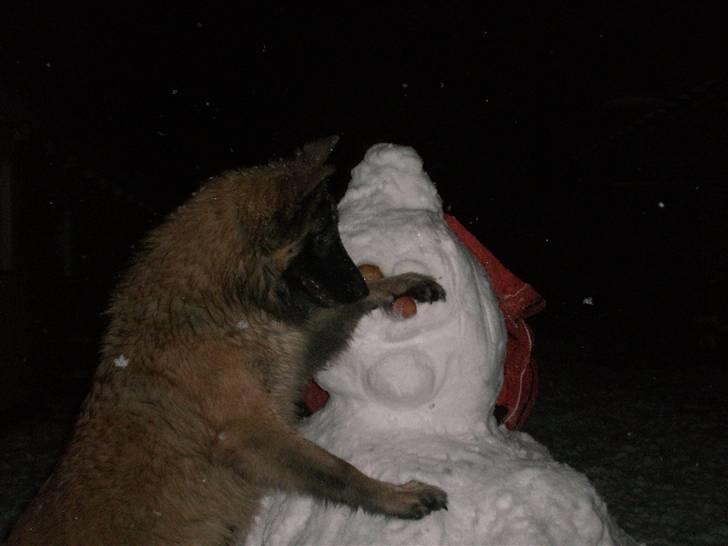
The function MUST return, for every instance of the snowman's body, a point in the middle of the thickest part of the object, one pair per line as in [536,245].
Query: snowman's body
[413,399]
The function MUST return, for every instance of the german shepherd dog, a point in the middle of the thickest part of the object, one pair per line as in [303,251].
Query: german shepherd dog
[233,304]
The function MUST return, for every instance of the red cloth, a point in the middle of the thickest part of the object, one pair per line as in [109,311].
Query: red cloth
[517,301]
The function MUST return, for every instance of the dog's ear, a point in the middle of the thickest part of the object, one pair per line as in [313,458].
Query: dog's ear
[309,168]
[303,184]
[318,151]
[301,193]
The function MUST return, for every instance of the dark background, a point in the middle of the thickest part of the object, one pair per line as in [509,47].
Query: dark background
[585,148]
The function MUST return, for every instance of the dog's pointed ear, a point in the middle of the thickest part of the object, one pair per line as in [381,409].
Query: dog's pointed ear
[311,168]
[301,187]
[318,151]
[305,177]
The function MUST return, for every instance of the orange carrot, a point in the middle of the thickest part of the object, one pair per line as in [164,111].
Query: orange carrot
[404,307]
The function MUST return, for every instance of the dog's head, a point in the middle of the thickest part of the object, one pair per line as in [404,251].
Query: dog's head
[265,236]
[320,264]
[302,235]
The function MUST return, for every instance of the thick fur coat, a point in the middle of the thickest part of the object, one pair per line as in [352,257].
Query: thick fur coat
[233,304]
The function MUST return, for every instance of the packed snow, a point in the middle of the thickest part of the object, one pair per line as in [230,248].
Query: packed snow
[414,398]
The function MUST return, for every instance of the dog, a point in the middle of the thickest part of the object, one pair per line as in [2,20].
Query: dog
[233,303]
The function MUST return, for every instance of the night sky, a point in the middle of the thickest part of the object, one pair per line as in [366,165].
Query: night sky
[586,149]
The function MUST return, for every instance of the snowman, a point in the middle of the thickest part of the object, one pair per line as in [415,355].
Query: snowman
[413,399]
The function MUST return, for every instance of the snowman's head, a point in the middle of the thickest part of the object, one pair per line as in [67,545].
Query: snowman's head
[443,366]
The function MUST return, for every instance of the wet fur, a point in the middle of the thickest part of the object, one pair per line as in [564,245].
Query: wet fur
[211,341]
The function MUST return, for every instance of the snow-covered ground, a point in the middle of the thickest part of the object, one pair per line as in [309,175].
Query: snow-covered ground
[647,428]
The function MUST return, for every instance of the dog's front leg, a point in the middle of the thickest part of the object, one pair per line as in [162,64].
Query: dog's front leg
[273,455]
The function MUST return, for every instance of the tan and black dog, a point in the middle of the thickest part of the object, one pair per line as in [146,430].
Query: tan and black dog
[236,300]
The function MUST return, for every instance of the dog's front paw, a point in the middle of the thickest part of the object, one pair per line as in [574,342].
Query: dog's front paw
[426,290]
[415,500]
[421,288]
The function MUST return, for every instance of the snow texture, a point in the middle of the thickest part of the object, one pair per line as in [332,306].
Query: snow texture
[413,399]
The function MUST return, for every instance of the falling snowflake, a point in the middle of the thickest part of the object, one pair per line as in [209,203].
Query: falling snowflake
[121,361]
[588,301]
[242,325]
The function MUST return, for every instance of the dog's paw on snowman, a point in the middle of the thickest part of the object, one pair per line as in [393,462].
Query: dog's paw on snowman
[422,288]
[414,500]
